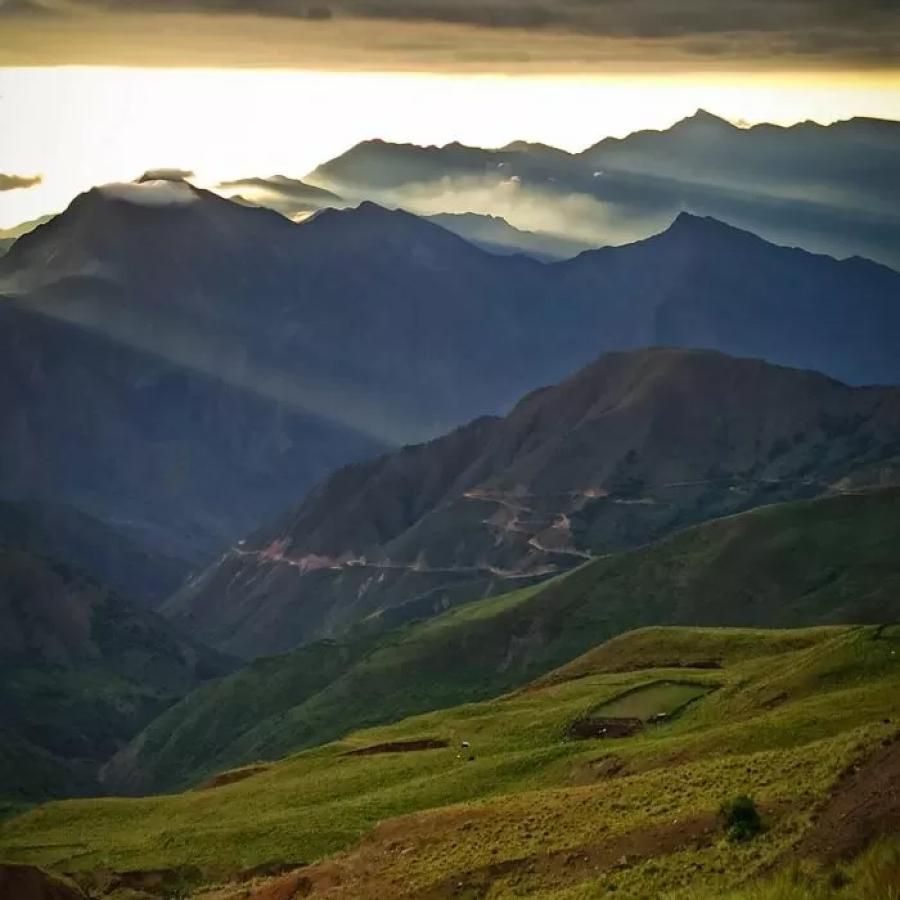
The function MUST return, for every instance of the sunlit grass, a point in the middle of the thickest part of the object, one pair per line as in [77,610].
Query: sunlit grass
[530,790]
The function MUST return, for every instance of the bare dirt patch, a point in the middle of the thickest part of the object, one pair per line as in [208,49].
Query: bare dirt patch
[366,870]
[288,887]
[864,806]
[574,864]
[400,747]
[147,882]
[32,883]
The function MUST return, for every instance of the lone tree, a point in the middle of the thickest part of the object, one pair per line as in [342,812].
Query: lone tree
[740,818]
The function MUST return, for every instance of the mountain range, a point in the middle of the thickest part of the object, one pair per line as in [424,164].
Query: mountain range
[630,448]
[525,481]
[827,188]
[234,357]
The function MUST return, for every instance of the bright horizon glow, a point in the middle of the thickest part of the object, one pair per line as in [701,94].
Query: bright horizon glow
[83,126]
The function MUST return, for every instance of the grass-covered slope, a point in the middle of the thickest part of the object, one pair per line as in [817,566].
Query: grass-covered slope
[830,560]
[794,718]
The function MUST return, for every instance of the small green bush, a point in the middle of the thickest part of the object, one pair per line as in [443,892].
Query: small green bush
[740,818]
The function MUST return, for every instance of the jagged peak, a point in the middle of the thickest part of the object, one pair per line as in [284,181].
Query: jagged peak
[691,223]
[369,213]
[707,119]
[369,210]
[521,146]
[148,193]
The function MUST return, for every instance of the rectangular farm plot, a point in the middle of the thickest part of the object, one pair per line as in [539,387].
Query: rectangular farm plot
[652,701]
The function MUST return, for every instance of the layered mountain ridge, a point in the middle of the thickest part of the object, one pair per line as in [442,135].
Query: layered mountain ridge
[632,447]
[237,357]
[826,188]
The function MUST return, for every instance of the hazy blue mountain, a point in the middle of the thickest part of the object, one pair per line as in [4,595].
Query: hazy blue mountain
[496,235]
[829,189]
[183,367]
[177,461]
[69,536]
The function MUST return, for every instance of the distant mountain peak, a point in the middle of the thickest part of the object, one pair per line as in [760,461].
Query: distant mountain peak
[530,147]
[706,119]
[371,209]
[380,223]
[151,192]
[691,223]
[368,212]
[686,219]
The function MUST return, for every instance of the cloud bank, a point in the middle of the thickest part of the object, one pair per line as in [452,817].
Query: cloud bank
[165,175]
[151,193]
[289,196]
[15,182]
[829,33]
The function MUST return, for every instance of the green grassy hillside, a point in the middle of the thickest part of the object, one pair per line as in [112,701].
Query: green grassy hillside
[829,560]
[800,720]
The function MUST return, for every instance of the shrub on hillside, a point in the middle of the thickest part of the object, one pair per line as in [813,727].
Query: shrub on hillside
[740,818]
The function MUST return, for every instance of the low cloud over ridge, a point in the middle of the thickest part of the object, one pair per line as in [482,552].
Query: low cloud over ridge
[14,182]
[165,175]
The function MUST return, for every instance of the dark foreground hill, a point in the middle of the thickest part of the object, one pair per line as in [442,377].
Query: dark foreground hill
[829,560]
[629,449]
[182,366]
[539,805]
[81,671]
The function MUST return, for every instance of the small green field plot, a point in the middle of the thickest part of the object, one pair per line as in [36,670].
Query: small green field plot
[652,701]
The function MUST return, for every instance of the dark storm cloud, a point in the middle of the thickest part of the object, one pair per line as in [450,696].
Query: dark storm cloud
[868,29]
[23,7]
[14,182]
[865,32]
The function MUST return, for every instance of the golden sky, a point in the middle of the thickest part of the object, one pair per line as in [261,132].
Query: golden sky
[90,96]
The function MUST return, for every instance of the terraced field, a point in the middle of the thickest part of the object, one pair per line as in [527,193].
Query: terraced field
[800,720]
[657,700]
